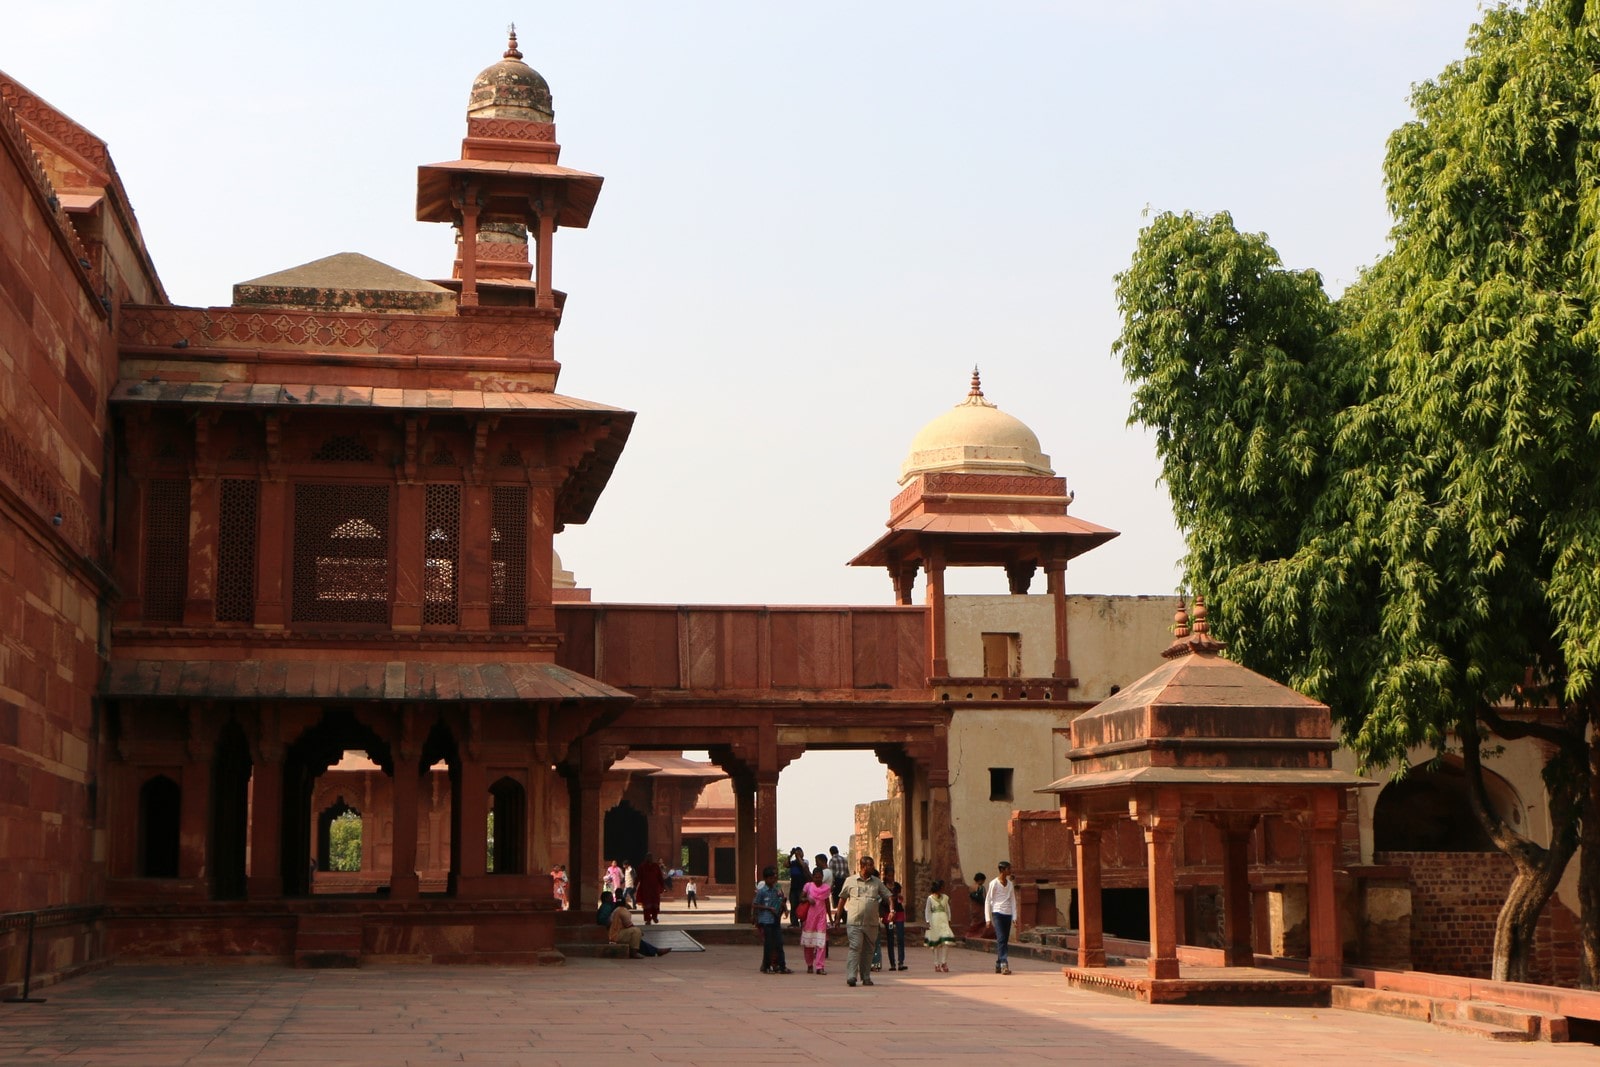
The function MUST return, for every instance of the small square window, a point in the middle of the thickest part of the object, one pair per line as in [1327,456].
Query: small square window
[1000,783]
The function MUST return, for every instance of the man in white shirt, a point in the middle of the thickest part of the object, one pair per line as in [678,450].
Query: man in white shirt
[1000,908]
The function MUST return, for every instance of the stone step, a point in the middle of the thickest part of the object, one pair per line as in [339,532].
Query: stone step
[1483,1030]
[590,950]
[1383,1002]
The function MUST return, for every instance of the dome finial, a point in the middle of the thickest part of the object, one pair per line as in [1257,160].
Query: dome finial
[1180,621]
[512,52]
[1200,624]
[977,384]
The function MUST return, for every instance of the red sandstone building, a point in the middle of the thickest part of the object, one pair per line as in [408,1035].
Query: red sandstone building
[273,565]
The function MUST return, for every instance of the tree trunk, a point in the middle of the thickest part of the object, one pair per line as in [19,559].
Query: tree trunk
[1538,869]
[1589,872]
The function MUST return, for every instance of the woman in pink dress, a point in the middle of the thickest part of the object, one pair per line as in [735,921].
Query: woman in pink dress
[814,928]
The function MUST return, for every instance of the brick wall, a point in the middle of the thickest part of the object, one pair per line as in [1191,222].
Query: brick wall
[1455,899]
[56,363]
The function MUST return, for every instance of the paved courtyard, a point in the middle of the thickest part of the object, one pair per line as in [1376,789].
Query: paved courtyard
[688,1007]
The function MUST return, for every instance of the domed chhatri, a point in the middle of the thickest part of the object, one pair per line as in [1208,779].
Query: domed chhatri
[510,89]
[975,437]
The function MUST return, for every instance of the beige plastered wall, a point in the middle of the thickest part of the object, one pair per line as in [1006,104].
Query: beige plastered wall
[1113,640]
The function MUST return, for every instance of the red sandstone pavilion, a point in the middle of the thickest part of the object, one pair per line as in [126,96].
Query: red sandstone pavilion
[267,564]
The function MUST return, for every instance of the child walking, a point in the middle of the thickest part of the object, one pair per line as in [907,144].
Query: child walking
[894,930]
[938,935]
[814,926]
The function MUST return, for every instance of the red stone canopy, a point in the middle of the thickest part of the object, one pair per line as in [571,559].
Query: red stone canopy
[1203,737]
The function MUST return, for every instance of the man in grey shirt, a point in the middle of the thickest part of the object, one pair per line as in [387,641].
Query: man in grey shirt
[859,898]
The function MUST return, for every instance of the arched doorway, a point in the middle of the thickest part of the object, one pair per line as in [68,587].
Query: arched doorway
[160,803]
[627,834]
[508,827]
[339,837]
[1429,811]
[312,753]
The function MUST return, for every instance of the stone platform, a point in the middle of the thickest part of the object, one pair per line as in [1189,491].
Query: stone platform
[1242,986]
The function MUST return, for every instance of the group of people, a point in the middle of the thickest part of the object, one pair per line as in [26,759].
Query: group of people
[871,908]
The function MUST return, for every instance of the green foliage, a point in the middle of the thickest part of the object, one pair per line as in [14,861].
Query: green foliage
[344,842]
[1392,499]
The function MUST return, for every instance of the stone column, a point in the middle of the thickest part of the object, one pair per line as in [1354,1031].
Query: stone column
[1091,923]
[544,292]
[1056,585]
[476,522]
[469,835]
[766,841]
[1327,950]
[272,569]
[266,819]
[193,820]
[410,538]
[469,246]
[1160,822]
[745,856]
[1238,949]
[936,621]
[540,613]
[403,881]
[199,605]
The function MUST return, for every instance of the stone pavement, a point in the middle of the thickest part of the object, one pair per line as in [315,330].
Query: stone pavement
[711,1007]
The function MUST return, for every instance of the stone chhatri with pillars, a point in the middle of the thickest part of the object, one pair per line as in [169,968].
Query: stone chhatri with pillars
[1202,737]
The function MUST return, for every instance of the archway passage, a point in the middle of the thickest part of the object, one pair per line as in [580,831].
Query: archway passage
[339,838]
[312,753]
[627,834]
[508,827]
[1429,811]
[160,803]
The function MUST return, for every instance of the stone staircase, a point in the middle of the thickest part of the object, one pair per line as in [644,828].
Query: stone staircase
[1480,1018]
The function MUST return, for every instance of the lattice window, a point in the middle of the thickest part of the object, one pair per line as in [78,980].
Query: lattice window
[508,556]
[510,457]
[236,551]
[342,449]
[341,553]
[166,549]
[441,553]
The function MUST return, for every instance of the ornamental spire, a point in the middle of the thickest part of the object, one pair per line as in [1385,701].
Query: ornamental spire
[977,384]
[512,52]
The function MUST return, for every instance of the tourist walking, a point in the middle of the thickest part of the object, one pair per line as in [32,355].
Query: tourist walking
[839,867]
[614,880]
[799,878]
[894,931]
[628,885]
[648,884]
[767,914]
[859,899]
[937,933]
[690,898]
[1000,908]
[818,895]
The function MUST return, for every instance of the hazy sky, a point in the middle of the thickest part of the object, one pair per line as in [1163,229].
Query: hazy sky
[815,220]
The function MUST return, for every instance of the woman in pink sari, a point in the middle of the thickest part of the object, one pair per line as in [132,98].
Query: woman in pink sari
[814,928]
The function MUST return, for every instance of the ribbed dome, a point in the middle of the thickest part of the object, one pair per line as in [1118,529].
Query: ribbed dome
[511,90]
[975,437]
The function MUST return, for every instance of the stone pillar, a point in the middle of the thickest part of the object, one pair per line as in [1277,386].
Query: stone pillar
[936,621]
[1238,947]
[1091,922]
[469,246]
[199,605]
[469,835]
[403,881]
[1160,836]
[410,539]
[1056,585]
[903,850]
[1327,950]
[544,291]
[193,821]
[266,820]
[766,841]
[745,855]
[476,522]
[540,613]
[904,576]
[272,569]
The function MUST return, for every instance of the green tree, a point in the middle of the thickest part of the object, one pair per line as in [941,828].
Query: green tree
[344,842]
[1394,499]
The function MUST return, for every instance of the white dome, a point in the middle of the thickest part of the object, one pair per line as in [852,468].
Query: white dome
[975,437]
[560,577]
